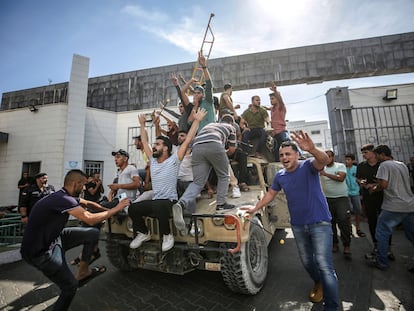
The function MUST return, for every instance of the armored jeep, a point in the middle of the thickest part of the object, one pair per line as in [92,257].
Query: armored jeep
[231,241]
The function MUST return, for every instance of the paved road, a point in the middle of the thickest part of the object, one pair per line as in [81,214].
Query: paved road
[287,286]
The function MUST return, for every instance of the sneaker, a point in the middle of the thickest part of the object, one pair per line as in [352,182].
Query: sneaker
[316,294]
[224,206]
[177,210]
[167,242]
[373,262]
[139,239]
[236,192]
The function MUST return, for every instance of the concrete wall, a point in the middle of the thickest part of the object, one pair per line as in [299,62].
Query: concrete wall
[33,136]
[146,88]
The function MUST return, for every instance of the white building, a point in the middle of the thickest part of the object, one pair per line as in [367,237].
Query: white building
[54,138]
[318,130]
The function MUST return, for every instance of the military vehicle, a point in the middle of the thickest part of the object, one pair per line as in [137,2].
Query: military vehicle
[231,242]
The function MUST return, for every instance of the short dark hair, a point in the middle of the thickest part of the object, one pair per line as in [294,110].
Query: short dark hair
[330,151]
[167,142]
[227,86]
[382,149]
[290,143]
[351,156]
[73,175]
[40,175]
[367,147]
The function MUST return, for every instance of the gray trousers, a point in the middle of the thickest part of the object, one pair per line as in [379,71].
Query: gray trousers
[205,157]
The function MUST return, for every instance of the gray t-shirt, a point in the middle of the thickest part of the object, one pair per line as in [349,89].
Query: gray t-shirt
[398,196]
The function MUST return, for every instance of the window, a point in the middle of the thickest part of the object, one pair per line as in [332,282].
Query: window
[33,168]
[315,132]
[92,167]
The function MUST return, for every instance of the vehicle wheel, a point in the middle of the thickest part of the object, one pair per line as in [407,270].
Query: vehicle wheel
[118,254]
[246,271]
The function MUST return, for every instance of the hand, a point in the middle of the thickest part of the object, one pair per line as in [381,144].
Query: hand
[123,203]
[181,77]
[141,119]
[250,210]
[322,173]
[201,59]
[174,79]
[303,140]
[237,106]
[273,86]
[200,114]
[113,187]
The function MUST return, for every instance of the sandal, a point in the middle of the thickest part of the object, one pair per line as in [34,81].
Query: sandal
[96,254]
[95,271]
[244,187]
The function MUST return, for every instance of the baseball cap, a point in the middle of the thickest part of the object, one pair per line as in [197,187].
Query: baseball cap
[121,152]
[199,88]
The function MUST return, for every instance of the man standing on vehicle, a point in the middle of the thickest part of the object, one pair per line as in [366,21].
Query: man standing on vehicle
[309,212]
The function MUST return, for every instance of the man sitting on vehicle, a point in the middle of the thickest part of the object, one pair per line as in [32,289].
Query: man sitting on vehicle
[164,169]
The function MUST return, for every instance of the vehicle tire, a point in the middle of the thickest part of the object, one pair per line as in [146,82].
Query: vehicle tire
[245,272]
[117,254]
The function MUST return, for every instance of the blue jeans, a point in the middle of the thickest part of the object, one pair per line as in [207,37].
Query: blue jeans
[255,133]
[386,222]
[53,263]
[314,243]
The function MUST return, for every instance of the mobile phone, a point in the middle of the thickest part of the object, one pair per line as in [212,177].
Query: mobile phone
[122,196]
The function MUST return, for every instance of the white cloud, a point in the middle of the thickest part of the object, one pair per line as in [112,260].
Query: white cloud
[152,16]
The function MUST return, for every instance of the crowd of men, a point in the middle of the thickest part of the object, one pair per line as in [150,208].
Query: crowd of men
[178,165]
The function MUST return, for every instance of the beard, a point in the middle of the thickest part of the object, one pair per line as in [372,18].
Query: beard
[156,153]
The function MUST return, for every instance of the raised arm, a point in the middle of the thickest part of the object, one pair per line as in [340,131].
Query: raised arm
[191,133]
[305,143]
[203,63]
[144,135]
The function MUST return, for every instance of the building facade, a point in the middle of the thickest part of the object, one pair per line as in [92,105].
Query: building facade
[375,115]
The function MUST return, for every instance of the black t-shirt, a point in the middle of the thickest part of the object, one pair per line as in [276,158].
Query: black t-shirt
[32,194]
[47,220]
[92,197]
[368,172]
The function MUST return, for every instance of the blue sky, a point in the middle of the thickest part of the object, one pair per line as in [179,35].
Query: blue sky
[38,38]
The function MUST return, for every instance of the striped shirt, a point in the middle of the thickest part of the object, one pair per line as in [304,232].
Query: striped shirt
[222,133]
[164,178]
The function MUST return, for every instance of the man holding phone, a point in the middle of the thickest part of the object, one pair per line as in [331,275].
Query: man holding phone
[128,177]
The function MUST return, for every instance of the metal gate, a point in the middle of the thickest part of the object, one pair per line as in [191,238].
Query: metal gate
[391,125]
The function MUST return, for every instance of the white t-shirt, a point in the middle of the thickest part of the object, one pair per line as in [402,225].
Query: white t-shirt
[125,177]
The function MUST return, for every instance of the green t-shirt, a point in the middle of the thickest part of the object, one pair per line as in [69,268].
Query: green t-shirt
[255,119]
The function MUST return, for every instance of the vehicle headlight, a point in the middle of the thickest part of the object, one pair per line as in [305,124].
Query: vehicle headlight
[200,228]
[129,225]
